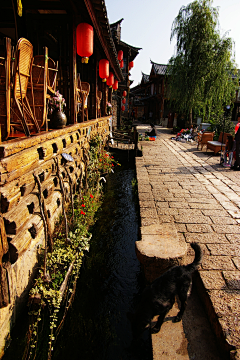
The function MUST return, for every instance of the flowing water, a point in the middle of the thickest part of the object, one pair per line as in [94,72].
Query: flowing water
[110,283]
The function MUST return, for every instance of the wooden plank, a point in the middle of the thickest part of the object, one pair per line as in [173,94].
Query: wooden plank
[10,196]
[16,145]
[16,218]
[4,288]
[3,240]
[19,243]
[8,85]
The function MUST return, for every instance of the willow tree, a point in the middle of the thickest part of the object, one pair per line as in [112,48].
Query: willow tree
[201,71]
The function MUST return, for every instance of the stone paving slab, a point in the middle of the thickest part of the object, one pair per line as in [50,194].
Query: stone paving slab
[193,198]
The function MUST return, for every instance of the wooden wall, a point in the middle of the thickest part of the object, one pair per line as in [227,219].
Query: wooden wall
[20,222]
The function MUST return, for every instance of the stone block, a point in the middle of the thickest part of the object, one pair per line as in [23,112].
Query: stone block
[207,238]
[212,279]
[232,279]
[159,249]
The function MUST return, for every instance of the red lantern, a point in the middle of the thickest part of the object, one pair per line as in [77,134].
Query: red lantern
[110,79]
[104,69]
[115,85]
[123,108]
[121,64]
[84,36]
[124,93]
[120,55]
[131,65]
[124,101]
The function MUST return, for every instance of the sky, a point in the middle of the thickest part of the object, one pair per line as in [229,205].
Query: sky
[147,25]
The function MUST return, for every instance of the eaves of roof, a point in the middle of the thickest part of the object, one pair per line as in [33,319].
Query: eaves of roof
[159,69]
[134,50]
[98,13]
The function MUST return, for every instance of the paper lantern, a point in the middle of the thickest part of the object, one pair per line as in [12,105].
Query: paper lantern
[123,108]
[131,65]
[84,35]
[124,93]
[115,85]
[120,55]
[121,64]
[110,79]
[104,69]
[124,101]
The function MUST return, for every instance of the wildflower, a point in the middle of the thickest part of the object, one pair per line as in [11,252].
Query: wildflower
[83,205]
[112,165]
[83,213]
[91,196]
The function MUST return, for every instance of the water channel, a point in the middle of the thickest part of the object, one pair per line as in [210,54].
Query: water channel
[110,283]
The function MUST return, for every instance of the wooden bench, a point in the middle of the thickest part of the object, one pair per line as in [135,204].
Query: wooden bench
[204,138]
[216,146]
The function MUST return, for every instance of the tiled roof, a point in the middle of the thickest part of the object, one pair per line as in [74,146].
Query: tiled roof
[145,77]
[159,68]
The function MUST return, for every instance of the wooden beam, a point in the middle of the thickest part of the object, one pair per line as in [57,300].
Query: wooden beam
[98,30]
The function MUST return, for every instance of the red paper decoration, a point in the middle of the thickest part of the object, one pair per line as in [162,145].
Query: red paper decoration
[84,35]
[110,79]
[120,55]
[115,85]
[124,93]
[123,108]
[124,101]
[104,69]
[121,64]
[131,65]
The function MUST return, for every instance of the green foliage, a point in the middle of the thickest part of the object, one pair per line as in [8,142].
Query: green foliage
[66,258]
[217,124]
[200,74]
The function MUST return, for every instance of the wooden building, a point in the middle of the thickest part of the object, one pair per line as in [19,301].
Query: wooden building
[129,54]
[50,27]
[39,60]
[152,92]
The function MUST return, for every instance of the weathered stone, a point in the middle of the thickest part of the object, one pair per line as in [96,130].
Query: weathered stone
[217,263]
[207,238]
[159,245]
[148,212]
[205,206]
[192,219]
[224,249]
[233,238]
[218,213]
[147,204]
[236,261]
[212,279]
[232,279]
[227,229]
[223,220]
[201,228]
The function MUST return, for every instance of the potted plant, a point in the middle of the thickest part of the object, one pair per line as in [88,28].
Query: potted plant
[57,105]
[109,108]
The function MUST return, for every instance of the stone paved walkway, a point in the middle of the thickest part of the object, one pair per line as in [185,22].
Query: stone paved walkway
[187,195]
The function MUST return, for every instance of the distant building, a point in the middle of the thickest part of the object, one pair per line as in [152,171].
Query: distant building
[129,54]
[149,97]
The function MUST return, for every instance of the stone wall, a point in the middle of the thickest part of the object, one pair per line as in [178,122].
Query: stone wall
[22,230]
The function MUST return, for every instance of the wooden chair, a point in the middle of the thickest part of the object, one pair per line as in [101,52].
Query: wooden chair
[23,118]
[219,145]
[44,76]
[83,90]
[99,99]
[5,90]
[204,138]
